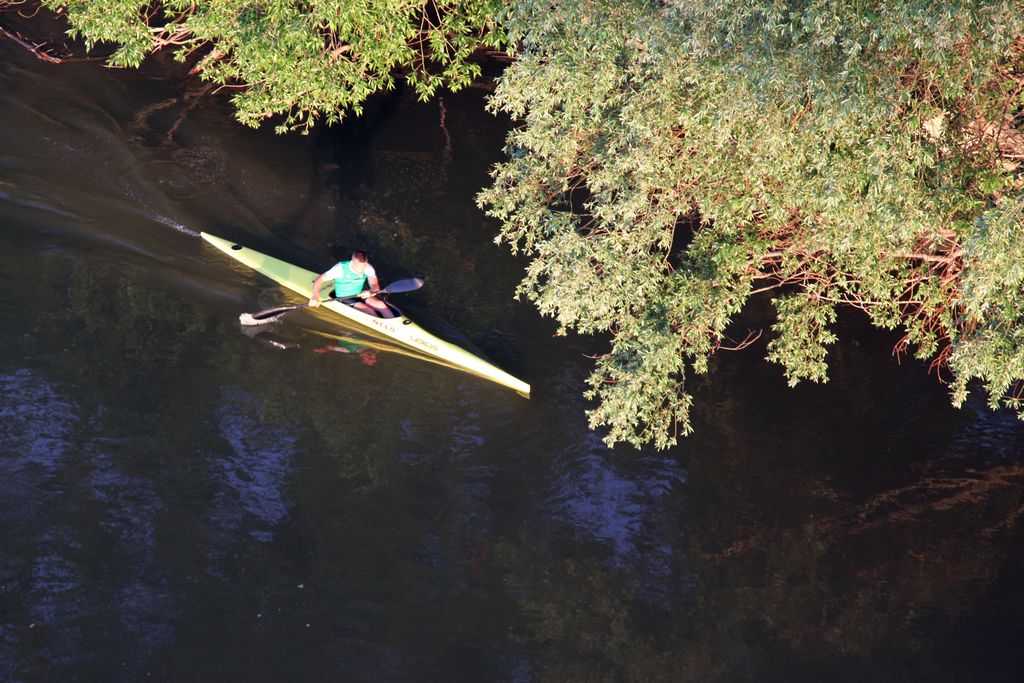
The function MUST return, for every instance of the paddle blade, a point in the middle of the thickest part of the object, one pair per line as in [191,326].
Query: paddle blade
[247,319]
[267,316]
[402,286]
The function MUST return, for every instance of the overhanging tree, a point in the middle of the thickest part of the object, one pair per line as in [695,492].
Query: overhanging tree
[298,60]
[836,154]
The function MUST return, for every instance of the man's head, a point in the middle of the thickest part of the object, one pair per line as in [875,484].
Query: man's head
[358,262]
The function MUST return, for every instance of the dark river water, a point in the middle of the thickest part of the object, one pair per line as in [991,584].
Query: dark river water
[182,501]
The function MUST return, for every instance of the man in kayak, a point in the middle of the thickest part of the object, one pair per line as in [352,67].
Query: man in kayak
[349,279]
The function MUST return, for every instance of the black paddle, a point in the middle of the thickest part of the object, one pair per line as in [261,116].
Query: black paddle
[397,287]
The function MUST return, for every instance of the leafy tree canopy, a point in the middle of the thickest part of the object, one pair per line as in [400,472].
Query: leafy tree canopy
[675,159]
[829,154]
[302,60]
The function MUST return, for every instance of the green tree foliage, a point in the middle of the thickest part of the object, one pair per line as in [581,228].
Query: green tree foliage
[302,60]
[836,154]
[674,159]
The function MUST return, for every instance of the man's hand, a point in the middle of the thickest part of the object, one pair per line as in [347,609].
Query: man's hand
[314,299]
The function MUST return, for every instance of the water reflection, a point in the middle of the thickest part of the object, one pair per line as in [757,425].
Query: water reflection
[616,508]
[52,600]
[254,475]
[36,423]
[40,587]
[55,594]
[143,605]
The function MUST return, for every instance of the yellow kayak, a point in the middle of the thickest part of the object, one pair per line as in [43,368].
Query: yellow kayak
[398,329]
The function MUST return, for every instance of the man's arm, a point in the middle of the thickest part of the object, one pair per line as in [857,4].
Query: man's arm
[314,300]
[374,287]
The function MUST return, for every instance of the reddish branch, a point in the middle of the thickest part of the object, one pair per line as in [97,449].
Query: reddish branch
[789,265]
[751,337]
[36,49]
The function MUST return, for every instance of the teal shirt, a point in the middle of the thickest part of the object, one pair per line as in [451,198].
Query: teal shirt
[346,281]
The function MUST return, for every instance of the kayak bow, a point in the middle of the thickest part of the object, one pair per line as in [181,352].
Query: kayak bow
[399,329]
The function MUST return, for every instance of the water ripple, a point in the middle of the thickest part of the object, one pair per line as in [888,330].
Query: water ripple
[618,502]
[36,423]
[56,590]
[254,474]
[144,607]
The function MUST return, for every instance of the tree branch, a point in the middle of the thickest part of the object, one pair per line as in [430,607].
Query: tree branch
[34,49]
